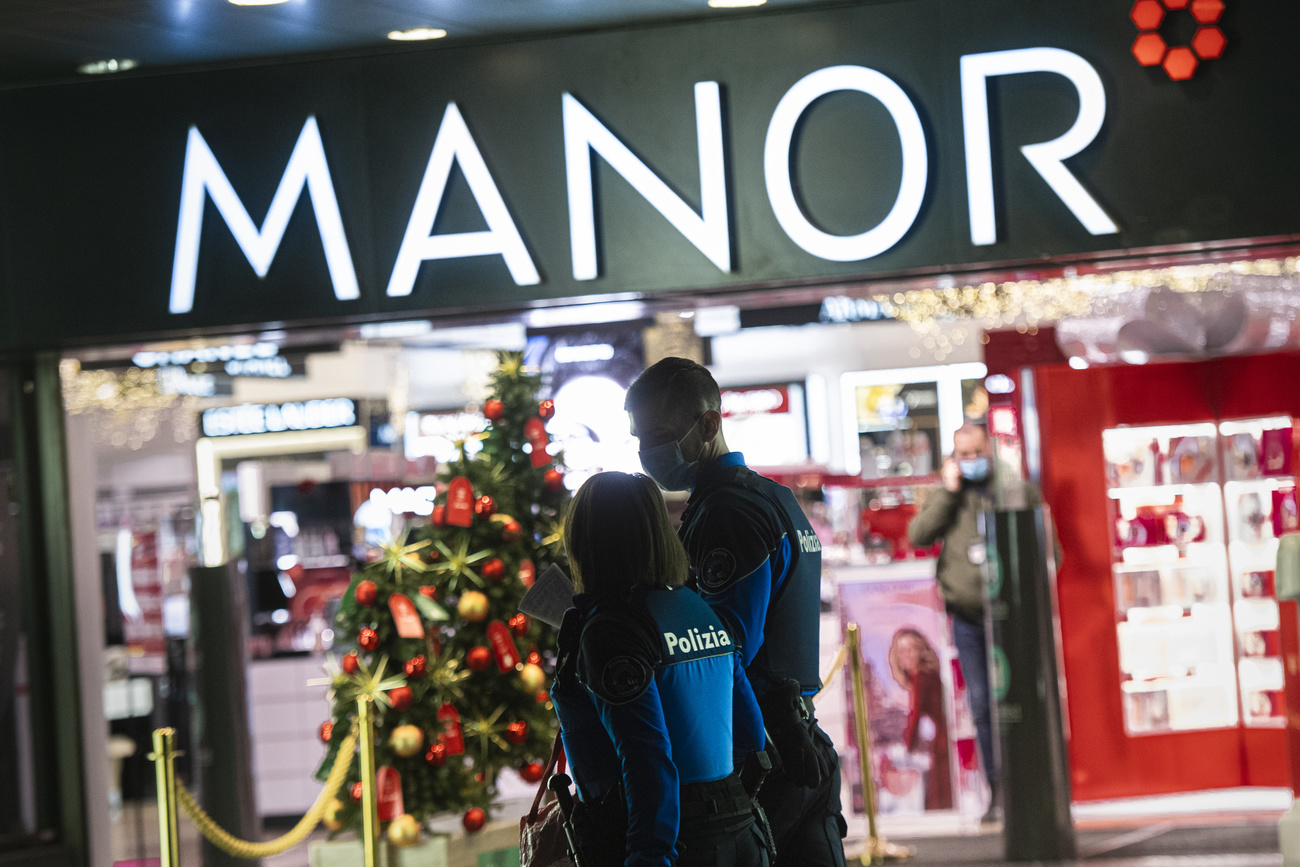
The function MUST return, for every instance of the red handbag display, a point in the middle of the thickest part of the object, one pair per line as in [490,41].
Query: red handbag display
[542,841]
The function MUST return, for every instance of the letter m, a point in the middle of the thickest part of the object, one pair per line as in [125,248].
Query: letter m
[307,167]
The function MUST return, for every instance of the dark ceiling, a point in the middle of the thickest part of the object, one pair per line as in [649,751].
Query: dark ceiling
[45,40]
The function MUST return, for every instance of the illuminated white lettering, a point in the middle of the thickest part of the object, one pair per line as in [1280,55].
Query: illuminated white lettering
[307,168]
[454,144]
[1046,157]
[776,164]
[708,230]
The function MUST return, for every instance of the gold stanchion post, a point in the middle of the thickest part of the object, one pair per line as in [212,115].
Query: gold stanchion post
[877,849]
[164,757]
[369,797]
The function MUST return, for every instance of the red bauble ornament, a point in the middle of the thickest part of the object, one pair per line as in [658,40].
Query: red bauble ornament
[474,820]
[512,531]
[326,731]
[554,479]
[546,409]
[428,591]
[479,658]
[437,755]
[518,624]
[401,697]
[351,664]
[416,667]
[355,791]
[542,696]
[365,593]
[485,506]
[494,570]
[534,658]
[532,772]
[517,732]
[480,777]
[439,516]
[494,409]
[367,638]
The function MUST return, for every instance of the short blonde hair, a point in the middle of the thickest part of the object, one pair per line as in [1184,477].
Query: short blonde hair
[618,536]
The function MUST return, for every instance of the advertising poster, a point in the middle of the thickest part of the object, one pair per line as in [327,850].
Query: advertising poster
[923,744]
[145,639]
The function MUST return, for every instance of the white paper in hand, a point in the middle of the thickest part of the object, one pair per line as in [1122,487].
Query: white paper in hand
[550,596]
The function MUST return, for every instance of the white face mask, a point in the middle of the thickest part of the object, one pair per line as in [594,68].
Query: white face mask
[668,466]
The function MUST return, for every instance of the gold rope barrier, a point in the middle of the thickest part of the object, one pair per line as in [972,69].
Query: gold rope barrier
[172,792]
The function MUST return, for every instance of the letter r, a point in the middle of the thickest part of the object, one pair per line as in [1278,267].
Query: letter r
[1048,157]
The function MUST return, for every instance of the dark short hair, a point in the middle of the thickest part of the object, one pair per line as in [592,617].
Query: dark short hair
[618,536]
[676,385]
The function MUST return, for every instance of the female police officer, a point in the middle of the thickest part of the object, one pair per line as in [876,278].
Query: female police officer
[654,707]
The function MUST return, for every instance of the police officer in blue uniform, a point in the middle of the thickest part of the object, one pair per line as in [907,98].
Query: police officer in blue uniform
[756,560]
[655,711]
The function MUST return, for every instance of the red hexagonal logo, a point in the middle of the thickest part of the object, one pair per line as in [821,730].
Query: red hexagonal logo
[1147,14]
[1149,49]
[1207,11]
[1208,43]
[1179,62]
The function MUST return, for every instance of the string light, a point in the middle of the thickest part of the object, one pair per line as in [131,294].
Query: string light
[126,408]
[1027,304]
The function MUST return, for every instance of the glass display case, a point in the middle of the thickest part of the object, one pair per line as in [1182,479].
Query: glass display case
[1193,511]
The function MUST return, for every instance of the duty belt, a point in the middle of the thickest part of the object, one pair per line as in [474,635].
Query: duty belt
[718,799]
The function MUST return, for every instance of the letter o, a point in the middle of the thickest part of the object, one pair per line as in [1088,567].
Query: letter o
[776,164]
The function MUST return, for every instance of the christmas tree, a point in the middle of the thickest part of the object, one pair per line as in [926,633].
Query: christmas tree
[460,675]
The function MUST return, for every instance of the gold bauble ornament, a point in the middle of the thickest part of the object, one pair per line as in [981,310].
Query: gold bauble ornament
[533,677]
[406,740]
[404,831]
[473,606]
[331,817]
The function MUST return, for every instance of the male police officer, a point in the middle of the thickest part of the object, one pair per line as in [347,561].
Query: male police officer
[757,561]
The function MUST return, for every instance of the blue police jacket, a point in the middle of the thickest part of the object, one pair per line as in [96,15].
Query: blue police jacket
[650,693]
[756,559]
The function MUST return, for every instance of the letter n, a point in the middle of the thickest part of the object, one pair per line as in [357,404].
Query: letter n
[307,167]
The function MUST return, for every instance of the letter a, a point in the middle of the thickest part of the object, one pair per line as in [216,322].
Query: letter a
[307,167]
[455,144]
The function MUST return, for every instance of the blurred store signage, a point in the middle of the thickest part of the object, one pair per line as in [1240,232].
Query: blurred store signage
[250,418]
[439,434]
[740,402]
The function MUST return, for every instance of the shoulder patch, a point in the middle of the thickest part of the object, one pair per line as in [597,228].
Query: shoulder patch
[717,570]
[621,679]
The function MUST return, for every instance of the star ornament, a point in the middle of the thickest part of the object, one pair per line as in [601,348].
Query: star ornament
[487,730]
[448,677]
[367,684]
[397,555]
[457,566]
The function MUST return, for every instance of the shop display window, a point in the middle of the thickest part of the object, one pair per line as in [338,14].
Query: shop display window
[1193,512]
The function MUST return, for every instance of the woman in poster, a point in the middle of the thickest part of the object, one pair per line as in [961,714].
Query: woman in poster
[916,668]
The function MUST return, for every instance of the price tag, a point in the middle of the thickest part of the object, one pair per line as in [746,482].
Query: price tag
[503,646]
[405,616]
[388,789]
[460,503]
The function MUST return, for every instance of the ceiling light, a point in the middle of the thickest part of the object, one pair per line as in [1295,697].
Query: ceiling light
[257,2]
[100,67]
[416,34]
[734,4]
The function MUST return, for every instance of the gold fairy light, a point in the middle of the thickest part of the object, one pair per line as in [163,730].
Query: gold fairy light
[126,408]
[1031,303]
